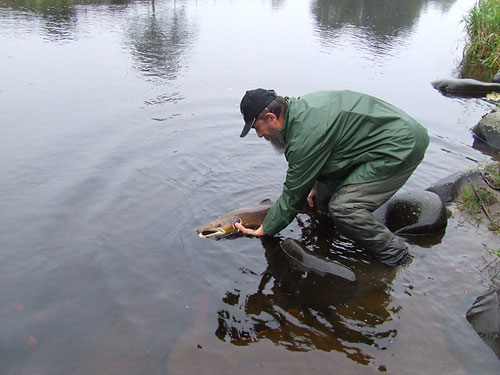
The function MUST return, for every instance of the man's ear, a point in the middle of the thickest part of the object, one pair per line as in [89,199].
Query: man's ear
[271,116]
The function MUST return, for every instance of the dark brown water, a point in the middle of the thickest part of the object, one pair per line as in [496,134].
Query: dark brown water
[119,126]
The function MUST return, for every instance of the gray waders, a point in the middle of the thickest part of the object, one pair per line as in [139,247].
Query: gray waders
[351,209]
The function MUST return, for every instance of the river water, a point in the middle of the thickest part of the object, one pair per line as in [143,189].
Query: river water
[119,136]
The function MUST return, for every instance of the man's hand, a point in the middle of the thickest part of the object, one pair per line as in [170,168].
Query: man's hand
[311,195]
[250,232]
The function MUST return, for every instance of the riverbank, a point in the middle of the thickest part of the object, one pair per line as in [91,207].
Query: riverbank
[482,50]
[481,60]
[478,201]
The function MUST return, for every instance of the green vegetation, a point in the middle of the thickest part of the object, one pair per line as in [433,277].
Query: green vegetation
[474,200]
[494,252]
[480,202]
[492,175]
[482,50]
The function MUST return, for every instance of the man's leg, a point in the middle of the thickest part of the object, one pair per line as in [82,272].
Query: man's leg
[351,208]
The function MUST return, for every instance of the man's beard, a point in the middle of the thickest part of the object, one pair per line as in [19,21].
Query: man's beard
[276,139]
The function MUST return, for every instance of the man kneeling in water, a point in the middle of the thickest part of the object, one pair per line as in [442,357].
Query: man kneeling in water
[361,147]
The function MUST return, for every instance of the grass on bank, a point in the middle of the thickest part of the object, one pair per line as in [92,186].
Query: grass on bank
[482,49]
[482,202]
[475,200]
[492,175]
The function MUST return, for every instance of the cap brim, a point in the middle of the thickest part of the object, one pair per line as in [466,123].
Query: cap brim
[247,128]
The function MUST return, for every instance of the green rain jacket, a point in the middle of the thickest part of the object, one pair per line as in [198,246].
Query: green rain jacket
[341,138]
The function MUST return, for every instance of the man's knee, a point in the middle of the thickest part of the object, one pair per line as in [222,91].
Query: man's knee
[340,206]
[355,221]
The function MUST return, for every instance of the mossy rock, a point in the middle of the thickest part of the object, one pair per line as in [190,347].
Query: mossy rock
[488,130]
[449,187]
[475,192]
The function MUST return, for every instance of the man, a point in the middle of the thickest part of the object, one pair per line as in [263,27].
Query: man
[361,147]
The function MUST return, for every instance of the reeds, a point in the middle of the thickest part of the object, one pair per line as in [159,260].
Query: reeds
[482,24]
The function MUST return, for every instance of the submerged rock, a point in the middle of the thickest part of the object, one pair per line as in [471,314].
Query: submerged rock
[484,316]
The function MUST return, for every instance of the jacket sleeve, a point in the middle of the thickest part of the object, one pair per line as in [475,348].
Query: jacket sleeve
[303,170]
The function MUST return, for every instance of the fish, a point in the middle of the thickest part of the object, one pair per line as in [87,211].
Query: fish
[306,260]
[249,217]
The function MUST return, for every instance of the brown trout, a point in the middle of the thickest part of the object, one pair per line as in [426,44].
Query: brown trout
[250,217]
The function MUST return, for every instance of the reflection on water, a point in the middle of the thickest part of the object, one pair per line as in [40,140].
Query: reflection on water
[59,17]
[302,311]
[159,42]
[486,148]
[376,22]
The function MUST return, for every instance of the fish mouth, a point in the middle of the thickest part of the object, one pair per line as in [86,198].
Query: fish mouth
[210,233]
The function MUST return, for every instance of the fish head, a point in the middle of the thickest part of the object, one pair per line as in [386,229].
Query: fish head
[221,227]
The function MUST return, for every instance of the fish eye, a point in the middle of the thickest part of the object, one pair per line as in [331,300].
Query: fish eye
[218,225]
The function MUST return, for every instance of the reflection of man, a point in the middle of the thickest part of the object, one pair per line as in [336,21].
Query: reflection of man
[290,308]
[360,146]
